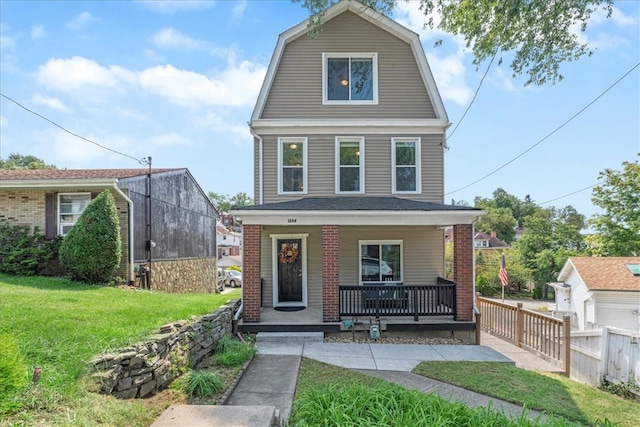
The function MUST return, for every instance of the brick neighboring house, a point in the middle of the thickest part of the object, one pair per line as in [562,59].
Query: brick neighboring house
[175,231]
[349,136]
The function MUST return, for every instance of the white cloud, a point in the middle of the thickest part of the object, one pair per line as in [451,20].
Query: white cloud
[236,133]
[239,8]
[76,73]
[3,122]
[449,74]
[38,32]
[167,139]
[54,103]
[238,85]
[79,21]
[170,38]
[173,6]
[6,43]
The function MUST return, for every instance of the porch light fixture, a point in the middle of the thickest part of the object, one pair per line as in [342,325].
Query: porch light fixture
[344,82]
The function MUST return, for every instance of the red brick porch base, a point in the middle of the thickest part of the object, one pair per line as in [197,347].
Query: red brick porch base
[330,273]
[463,270]
[251,287]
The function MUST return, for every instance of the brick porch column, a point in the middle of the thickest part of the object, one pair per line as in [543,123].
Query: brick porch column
[463,270]
[251,266]
[330,273]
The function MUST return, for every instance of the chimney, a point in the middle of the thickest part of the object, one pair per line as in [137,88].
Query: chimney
[493,234]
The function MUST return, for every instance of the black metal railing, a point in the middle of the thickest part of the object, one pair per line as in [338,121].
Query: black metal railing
[395,299]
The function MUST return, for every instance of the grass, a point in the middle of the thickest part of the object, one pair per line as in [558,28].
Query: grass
[230,352]
[332,396]
[60,325]
[552,393]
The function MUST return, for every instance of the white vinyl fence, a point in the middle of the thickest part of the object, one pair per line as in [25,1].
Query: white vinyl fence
[610,353]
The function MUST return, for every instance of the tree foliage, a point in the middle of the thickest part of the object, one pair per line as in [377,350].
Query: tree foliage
[540,33]
[618,227]
[488,269]
[19,161]
[501,221]
[91,250]
[224,202]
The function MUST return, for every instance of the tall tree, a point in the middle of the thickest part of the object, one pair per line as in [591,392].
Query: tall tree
[618,228]
[541,33]
[500,220]
[19,161]
[224,202]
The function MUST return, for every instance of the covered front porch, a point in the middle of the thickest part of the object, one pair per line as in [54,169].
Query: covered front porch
[325,264]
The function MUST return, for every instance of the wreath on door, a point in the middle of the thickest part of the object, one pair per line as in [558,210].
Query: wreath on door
[288,254]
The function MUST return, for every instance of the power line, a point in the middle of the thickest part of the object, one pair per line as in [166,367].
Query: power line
[571,194]
[474,97]
[548,135]
[141,161]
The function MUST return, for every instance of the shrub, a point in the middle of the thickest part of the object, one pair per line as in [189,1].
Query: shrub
[200,383]
[230,352]
[24,252]
[91,251]
[12,372]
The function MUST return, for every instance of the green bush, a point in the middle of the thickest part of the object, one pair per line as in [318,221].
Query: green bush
[91,251]
[230,352]
[200,383]
[24,252]
[12,372]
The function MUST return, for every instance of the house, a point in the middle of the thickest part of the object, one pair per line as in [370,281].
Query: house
[167,222]
[349,136]
[600,291]
[484,241]
[229,242]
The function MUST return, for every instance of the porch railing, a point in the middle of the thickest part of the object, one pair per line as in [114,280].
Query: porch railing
[543,335]
[384,299]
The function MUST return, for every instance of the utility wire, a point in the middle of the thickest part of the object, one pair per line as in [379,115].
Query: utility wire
[141,161]
[571,194]
[474,97]
[548,135]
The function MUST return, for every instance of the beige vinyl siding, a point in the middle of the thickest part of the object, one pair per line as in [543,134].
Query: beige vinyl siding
[377,164]
[314,262]
[423,255]
[297,87]
[422,251]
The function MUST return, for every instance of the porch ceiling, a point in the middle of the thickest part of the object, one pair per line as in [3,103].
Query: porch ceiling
[356,211]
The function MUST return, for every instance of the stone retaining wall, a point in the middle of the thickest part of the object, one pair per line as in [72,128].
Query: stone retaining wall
[145,368]
[182,276]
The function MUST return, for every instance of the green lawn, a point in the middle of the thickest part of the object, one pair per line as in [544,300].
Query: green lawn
[548,392]
[60,325]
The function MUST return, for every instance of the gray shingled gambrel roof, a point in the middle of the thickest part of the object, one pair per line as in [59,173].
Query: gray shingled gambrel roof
[355,204]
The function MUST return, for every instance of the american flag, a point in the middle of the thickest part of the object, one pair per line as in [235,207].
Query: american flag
[504,277]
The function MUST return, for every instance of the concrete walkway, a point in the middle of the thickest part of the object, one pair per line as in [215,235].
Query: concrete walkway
[266,390]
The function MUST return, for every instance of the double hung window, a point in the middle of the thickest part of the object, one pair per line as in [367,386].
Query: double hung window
[350,78]
[381,261]
[349,164]
[405,160]
[292,165]
[70,207]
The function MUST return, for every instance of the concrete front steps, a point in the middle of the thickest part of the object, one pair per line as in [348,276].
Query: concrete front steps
[289,337]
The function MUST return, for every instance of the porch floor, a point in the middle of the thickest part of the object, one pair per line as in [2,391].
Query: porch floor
[310,320]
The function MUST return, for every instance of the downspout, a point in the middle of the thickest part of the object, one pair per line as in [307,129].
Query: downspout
[260,193]
[130,233]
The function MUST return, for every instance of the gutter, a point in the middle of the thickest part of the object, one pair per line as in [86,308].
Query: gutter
[260,178]
[130,231]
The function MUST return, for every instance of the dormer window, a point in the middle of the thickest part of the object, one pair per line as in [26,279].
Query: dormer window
[350,78]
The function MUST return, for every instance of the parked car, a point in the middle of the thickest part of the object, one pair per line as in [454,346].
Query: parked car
[232,278]
[220,282]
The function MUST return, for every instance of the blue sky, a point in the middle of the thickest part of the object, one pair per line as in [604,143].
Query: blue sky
[177,81]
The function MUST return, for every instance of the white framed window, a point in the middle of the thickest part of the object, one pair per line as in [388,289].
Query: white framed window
[350,164]
[380,261]
[70,207]
[350,78]
[292,165]
[405,166]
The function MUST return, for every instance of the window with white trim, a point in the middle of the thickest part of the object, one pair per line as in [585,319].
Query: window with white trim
[405,165]
[380,261]
[349,78]
[349,164]
[70,207]
[292,165]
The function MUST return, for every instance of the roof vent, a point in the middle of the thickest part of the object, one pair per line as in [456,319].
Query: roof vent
[635,269]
